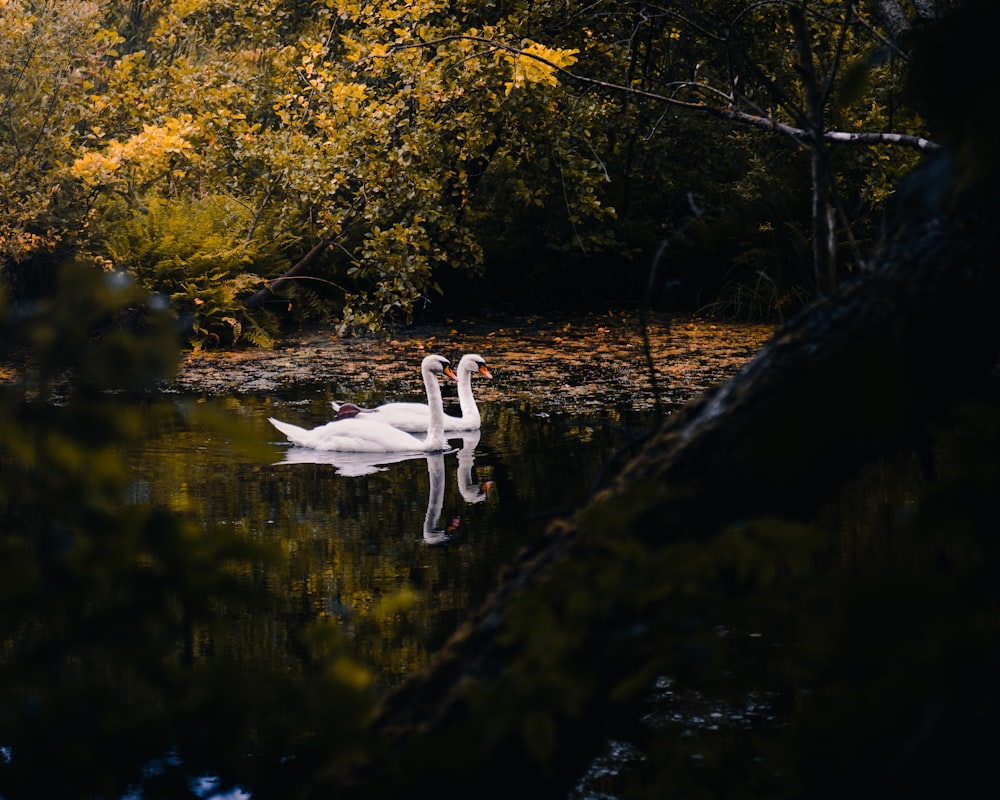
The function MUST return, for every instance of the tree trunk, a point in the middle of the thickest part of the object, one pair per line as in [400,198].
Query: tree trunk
[823,182]
[824,230]
[266,293]
[856,376]
[897,21]
[893,17]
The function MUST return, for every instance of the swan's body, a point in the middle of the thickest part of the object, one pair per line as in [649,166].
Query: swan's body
[368,435]
[414,416]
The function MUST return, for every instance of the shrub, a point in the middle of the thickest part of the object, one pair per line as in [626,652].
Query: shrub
[205,254]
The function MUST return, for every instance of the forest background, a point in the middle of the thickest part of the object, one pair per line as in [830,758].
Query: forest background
[266,163]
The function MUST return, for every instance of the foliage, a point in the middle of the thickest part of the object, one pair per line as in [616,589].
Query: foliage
[747,61]
[337,138]
[878,660]
[47,51]
[200,255]
[410,140]
[116,614]
[744,299]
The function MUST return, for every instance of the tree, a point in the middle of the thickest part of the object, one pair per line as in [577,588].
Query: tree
[706,529]
[793,69]
[48,54]
[371,161]
[379,149]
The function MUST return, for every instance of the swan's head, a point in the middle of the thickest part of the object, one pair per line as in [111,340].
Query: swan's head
[438,365]
[347,411]
[472,363]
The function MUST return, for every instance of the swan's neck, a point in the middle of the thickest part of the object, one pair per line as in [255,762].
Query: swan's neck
[465,399]
[435,426]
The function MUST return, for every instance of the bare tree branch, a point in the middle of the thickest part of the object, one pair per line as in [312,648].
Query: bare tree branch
[763,123]
[266,293]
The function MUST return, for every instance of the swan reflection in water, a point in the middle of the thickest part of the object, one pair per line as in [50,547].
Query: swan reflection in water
[358,464]
[471,492]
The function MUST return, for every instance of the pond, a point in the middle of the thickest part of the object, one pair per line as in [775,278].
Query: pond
[144,649]
[568,396]
[113,611]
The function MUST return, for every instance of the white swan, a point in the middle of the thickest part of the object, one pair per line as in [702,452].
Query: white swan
[414,416]
[369,436]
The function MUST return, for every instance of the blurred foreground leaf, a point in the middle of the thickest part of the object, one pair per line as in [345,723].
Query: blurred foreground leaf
[118,618]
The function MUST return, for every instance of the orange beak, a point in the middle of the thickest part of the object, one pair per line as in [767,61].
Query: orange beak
[485,372]
[450,372]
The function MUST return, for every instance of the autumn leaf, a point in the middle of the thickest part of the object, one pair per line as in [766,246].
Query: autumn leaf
[537,63]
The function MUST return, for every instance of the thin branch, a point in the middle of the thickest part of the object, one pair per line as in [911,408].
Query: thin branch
[267,292]
[306,278]
[806,70]
[763,123]
[845,26]
[11,96]
[260,210]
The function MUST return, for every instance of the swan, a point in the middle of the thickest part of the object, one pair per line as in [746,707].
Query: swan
[371,436]
[414,416]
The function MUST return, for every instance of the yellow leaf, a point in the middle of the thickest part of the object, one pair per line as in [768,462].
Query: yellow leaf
[537,63]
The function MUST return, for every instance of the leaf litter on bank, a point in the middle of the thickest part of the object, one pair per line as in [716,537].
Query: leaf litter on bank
[569,364]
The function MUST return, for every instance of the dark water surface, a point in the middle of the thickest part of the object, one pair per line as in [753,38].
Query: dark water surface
[430,532]
[389,555]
